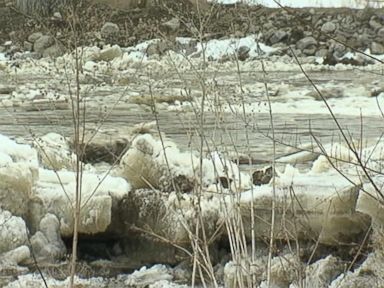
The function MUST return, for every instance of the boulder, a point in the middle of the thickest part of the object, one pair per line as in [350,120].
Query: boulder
[54,51]
[172,25]
[278,36]
[307,45]
[43,43]
[377,48]
[34,36]
[47,244]
[322,272]
[380,33]
[328,27]
[109,29]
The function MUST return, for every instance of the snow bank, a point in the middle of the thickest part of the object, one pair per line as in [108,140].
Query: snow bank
[18,173]
[55,193]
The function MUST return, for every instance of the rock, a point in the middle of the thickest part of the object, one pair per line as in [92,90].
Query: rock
[278,36]
[321,53]
[34,37]
[168,215]
[109,53]
[47,244]
[243,53]
[54,153]
[54,51]
[28,46]
[43,43]
[15,256]
[377,48]
[374,24]
[262,176]
[323,272]
[13,232]
[172,25]
[109,29]
[284,270]
[104,146]
[380,33]
[157,48]
[328,27]
[57,15]
[307,45]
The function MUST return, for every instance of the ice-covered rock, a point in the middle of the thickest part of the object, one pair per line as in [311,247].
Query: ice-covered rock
[13,232]
[109,53]
[46,243]
[321,273]
[147,276]
[161,165]
[54,152]
[55,193]
[370,201]
[168,215]
[18,173]
[309,205]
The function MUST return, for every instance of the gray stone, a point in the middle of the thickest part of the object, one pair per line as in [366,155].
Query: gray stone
[380,33]
[43,43]
[243,53]
[172,25]
[328,27]
[321,53]
[109,29]
[157,48]
[54,51]
[377,48]
[374,24]
[306,42]
[28,46]
[45,249]
[33,37]
[278,36]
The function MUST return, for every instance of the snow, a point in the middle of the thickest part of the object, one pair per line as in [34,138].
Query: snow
[217,49]
[3,57]
[357,4]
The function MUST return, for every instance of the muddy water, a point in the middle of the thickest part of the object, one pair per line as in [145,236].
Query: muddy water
[229,133]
